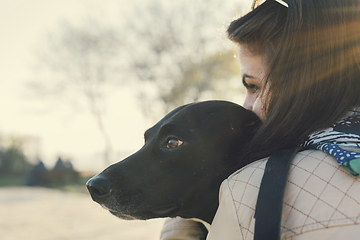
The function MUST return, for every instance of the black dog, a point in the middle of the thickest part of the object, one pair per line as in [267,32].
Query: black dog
[179,170]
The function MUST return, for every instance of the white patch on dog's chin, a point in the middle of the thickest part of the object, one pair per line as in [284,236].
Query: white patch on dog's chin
[103,205]
[119,214]
[123,216]
[207,225]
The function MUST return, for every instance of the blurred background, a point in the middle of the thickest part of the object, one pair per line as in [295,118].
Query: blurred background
[80,82]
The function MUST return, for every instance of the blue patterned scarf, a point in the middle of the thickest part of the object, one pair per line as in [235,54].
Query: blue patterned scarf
[342,141]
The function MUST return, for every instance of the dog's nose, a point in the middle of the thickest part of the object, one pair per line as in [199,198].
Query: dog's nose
[99,188]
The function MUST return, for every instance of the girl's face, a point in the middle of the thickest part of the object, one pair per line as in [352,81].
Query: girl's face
[253,76]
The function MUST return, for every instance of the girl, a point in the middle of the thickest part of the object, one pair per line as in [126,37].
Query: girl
[300,64]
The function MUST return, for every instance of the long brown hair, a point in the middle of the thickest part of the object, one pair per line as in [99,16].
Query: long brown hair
[311,51]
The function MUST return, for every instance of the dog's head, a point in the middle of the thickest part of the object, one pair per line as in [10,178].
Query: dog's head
[179,169]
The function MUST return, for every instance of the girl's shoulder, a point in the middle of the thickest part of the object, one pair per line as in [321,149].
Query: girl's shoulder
[319,194]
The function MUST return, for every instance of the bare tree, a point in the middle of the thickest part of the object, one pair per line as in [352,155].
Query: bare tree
[174,51]
[180,49]
[85,59]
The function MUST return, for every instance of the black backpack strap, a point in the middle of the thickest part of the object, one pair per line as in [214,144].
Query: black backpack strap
[270,199]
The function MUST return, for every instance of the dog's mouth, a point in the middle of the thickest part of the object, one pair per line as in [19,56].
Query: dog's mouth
[164,211]
[167,210]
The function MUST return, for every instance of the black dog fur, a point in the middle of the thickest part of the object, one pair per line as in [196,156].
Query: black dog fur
[178,171]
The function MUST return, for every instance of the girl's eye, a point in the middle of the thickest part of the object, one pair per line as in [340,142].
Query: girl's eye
[253,88]
[173,143]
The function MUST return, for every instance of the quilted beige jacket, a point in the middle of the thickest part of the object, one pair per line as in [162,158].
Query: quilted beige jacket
[322,201]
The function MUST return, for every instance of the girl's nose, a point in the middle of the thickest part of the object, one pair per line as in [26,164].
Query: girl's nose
[249,102]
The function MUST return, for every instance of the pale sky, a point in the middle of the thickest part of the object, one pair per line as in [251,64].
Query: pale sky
[60,131]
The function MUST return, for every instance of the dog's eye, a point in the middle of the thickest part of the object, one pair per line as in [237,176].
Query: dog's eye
[173,143]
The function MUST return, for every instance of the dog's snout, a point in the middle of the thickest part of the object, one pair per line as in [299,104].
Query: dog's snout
[99,188]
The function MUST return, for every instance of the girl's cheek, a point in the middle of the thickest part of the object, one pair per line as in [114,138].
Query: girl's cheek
[258,109]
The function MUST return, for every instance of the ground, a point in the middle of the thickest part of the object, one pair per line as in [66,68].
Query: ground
[46,214]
